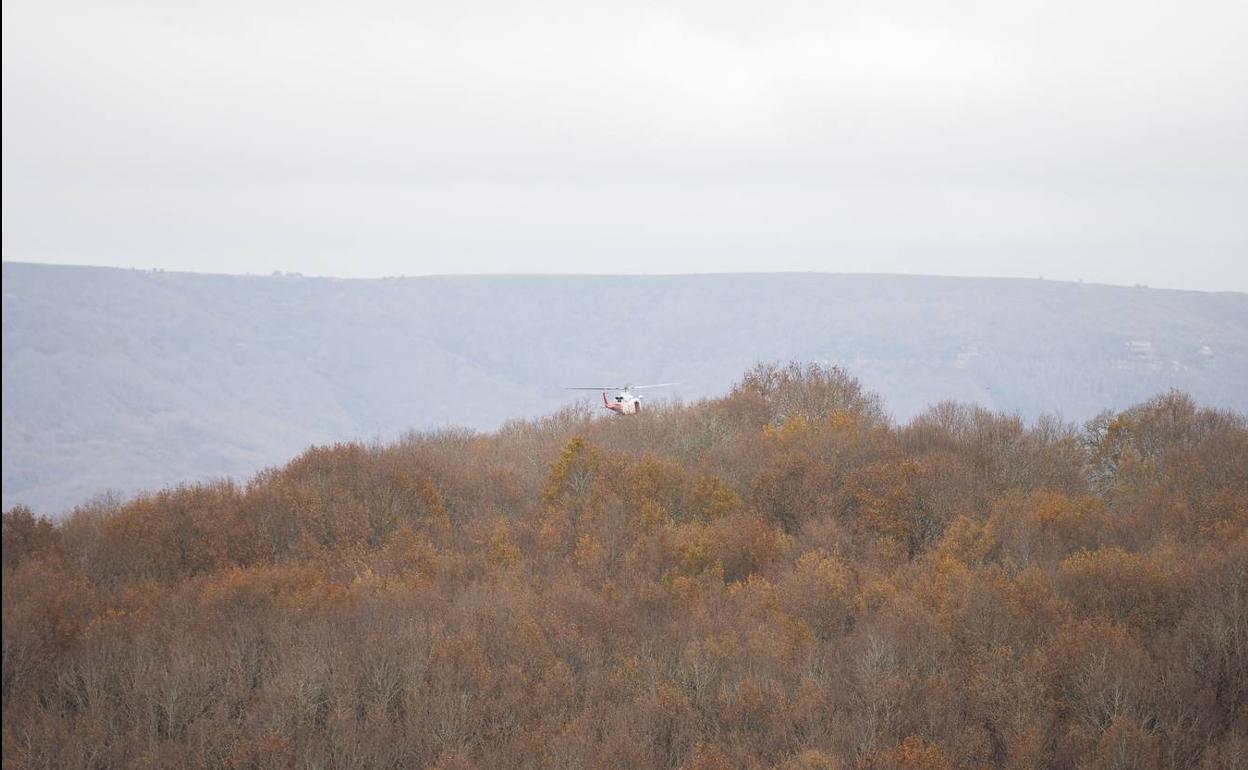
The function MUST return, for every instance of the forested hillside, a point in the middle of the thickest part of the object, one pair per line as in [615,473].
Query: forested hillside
[129,380]
[778,578]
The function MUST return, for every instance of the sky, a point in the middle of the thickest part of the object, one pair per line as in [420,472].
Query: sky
[1089,140]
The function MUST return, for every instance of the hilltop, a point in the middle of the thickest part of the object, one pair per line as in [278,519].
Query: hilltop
[124,380]
[778,579]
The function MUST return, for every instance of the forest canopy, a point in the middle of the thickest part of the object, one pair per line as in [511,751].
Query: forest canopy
[780,578]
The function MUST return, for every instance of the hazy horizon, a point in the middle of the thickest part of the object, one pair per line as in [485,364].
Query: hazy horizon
[606,274]
[130,378]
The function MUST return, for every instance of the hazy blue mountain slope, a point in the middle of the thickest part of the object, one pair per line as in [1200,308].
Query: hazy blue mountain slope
[117,379]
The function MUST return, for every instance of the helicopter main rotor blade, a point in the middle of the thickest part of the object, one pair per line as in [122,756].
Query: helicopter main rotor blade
[660,385]
[604,387]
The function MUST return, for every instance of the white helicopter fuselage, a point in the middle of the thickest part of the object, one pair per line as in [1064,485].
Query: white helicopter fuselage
[622,402]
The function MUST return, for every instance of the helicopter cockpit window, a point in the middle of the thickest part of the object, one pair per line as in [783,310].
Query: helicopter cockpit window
[619,398]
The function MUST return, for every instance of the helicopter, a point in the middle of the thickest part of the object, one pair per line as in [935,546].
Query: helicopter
[624,401]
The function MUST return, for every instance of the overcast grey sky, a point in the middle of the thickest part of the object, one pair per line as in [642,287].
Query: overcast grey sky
[1074,139]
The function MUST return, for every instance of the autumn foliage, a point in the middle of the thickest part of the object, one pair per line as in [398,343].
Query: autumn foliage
[780,578]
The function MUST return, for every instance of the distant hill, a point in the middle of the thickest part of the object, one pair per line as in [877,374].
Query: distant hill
[122,380]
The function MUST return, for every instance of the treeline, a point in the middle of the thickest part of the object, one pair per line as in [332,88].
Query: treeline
[781,578]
